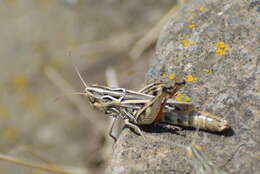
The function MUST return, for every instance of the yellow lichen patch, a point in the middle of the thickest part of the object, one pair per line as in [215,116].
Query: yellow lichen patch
[220,45]
[201,9]
[190,78]
[187,99]
[185,43]
[191,26]
[221,48]
[10,134]
[193,43]
[178,97]
[164,75]
[20,81]
[171,77]
[4,113]
[219,52]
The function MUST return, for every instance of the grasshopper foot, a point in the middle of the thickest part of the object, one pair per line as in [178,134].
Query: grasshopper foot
[133,126]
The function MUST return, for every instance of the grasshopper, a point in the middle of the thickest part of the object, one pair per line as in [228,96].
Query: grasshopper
[133,108]
[147,105]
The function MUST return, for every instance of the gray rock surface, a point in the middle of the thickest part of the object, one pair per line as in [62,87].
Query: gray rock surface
[221,50]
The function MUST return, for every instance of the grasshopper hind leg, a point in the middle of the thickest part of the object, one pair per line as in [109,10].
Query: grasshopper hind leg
[133,126]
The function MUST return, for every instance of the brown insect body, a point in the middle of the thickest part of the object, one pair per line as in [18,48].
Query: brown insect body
[196,119]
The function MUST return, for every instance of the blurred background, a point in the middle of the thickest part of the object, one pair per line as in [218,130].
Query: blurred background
[40,122]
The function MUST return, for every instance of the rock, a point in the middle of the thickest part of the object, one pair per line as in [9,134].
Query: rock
[216,42]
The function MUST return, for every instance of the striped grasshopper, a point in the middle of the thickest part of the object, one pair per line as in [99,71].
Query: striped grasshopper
[147,105]
[135,108]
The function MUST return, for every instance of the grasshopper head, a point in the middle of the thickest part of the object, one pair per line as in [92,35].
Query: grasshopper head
[90,95]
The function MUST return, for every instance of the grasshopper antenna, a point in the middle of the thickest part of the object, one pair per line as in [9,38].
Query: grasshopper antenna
[80,77]
[77,70]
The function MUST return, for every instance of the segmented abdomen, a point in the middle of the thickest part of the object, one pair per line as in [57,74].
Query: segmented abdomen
[196,119]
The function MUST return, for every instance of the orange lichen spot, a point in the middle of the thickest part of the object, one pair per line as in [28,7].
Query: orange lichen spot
[189,153]
[193,43]
[20,81]
[200,148]
[10,134]
[185,43]
[190,78]
[171,77]
[220,45]
[4,113]
[191,26]
[221,48]
[219,52]
[201,9]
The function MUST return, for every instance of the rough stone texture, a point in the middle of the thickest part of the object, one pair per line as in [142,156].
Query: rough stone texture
[227,85]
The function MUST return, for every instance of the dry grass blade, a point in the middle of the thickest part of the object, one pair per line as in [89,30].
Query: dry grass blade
[108,45]
[49,168]
[111,77]
[151,36]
